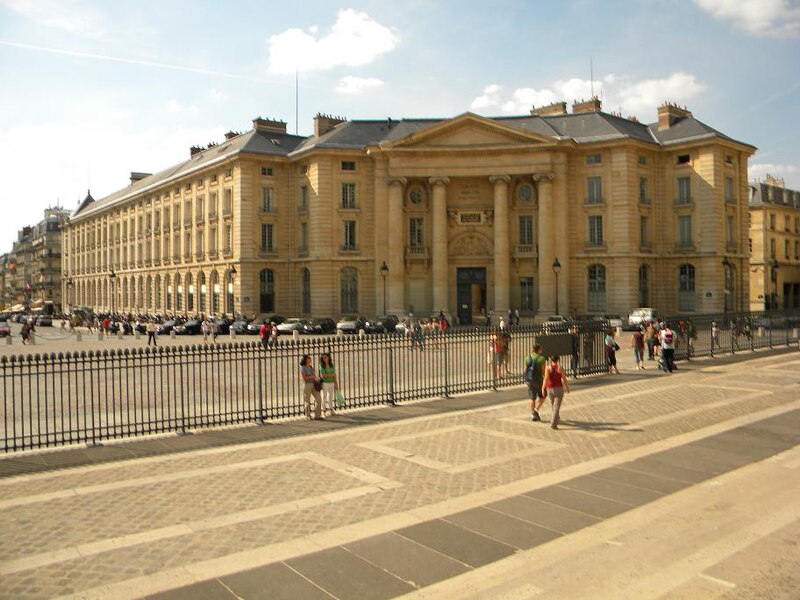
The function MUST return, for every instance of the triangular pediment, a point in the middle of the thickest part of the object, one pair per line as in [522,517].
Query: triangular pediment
[469,131]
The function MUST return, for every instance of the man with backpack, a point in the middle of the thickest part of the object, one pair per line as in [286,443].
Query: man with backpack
[535,364]
[667,338]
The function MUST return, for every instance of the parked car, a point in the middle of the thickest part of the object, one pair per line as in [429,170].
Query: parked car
[166,327]
[321,325]
[351,324]
[639,315]
[44,321]
[292,324]
[223,325]
[255,324]
[240,327]
[381,324]
[5,330]
[191,327]
[4,317]
[556,324]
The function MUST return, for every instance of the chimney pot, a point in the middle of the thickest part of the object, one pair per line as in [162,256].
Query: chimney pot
[556,108]
[587,106]
[273,125]
[324,123]
[669,114]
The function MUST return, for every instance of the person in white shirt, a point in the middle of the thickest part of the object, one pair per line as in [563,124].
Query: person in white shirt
[667,341]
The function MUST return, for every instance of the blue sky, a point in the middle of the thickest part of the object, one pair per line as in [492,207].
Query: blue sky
[94,90]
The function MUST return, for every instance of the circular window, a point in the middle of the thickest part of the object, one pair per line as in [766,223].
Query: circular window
[416,195]
[525,192]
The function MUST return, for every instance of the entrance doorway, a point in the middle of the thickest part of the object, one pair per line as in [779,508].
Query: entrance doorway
[470,293]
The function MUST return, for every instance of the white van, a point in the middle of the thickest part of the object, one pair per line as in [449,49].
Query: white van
[638,315]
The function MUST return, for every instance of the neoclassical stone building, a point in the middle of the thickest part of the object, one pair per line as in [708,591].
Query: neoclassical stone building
[774,245]
[462,215]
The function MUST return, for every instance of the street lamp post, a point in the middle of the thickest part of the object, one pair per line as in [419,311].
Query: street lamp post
[113,277]
[384,273]
[556,271]
[774,266]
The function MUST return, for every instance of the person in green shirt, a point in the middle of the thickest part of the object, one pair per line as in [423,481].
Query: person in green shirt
[535,364]
[329,383]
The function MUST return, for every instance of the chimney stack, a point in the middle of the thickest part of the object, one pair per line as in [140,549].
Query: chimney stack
[669,114]
[272,125]
[587,106]
[556,108]
[194,150]
[324,123]
[230,135]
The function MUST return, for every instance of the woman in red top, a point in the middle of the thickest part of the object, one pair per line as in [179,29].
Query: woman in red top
[555,384]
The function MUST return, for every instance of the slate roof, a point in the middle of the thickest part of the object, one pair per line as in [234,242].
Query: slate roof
[759,195]
[582,128]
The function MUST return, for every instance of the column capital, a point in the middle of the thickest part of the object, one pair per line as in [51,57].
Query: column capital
[537,177]
[499,179]
[396,180]
[439,180]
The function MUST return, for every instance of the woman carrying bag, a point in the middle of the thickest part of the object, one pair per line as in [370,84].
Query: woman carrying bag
[330,385]
[310,383]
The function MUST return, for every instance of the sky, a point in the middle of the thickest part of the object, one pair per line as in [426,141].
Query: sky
[92,90]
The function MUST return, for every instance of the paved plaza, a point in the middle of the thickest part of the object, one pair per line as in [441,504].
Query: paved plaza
[655,486]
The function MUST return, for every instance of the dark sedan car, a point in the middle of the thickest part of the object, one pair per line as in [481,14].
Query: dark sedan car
[292,324]
[382,324]
[223,325]
[351,324]
[240,327]
[191,327]
[166,327]
[323,325]
[44,321]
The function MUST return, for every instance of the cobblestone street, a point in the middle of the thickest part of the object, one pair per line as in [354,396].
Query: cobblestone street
[432,498]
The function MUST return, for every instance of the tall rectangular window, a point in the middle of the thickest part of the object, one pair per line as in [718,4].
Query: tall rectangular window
[212,204]
[729,189]
[349,235]
[348,195]
[594,190]
[526,293]
[644,231]
[416,233]
[526,230]
[786,249]
[228,239]
[267,200]
[267,241]
[303,236]
[685,230]
[227,206]
[644,195]
[303,198]
[684,190]
[596,230]
[729,229]
[772,251]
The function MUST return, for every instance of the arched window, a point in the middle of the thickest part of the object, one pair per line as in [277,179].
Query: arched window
[149,291]
[686,284]
[266,290]
[348,290]
[189,293]
[139,293]
[213,281]
[201,284]
[305,280]
[644,285]
[168,303]
[158,292]
[596,297]
[178,294]
[229,292]
[729,289]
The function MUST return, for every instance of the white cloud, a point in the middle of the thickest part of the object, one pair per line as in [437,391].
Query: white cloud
[355,39]
[356,85]
[618,92]
[73,16]
[777,18]
[790,173]
[174,106]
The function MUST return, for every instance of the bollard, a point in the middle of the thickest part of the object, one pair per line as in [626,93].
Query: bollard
[172,334]
[232,334]
[137,335]
[119,334]
[339,332]
[100,336]
[362,333]
[78,336]
[295,335]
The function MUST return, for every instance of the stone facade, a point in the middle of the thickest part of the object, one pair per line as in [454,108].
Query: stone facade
[774,245]
[468,214]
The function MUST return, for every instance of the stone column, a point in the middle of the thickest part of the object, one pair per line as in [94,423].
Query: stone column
[545,217]
[502,252]
[395,228]
[439,246]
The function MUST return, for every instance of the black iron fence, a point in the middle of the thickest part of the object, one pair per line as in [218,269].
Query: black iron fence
[88,397]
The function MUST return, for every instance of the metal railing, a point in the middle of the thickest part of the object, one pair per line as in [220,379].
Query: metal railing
[87,397]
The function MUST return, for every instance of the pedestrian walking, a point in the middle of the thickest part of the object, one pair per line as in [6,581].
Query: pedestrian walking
[505,338]
[205,328]
[263,334]
[495,356]
[651,339]
[637,343]
[311,387]
[273,334]
[611,348]
[214,330]
[535,365]
[667,342]
[25,332]
[556,385]
[151,332]
[715,336]
[330,384]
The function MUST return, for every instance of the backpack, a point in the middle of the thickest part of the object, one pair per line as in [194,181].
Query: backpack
[533,369]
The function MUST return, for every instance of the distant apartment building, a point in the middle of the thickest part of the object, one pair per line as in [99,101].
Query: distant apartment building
[31,272]
[774,245]
[580,212]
